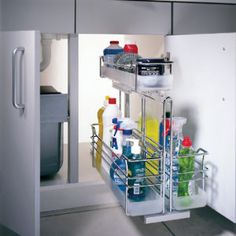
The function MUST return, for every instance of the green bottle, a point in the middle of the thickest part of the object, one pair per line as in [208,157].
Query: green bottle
[136,169]
[186,167]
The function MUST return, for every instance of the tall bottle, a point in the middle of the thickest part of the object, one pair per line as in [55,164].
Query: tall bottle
[110,112]
[165,134]
[152,132]
[127,127]
[177,126]
[98,158]
[186,166]
[136,169]
[111,51]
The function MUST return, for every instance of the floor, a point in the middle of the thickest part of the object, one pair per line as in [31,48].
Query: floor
[112,221]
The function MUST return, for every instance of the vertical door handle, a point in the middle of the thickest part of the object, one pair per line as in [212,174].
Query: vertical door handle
[17,50]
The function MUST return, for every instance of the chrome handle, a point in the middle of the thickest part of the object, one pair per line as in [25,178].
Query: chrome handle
[14,79]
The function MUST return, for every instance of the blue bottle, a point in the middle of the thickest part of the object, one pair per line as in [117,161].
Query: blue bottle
[111,51]
[163,134]
[136,169]
[117,167]
[126,144]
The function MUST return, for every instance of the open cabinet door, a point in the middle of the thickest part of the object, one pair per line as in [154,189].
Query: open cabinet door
[20,132]
[204,92]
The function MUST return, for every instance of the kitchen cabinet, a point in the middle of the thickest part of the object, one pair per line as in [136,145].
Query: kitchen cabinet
[20,132]
[123,17]
[192,18]
[19,125]
[47,16]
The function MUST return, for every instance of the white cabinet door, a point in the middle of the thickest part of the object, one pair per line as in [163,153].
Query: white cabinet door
[20,132]
[204,92]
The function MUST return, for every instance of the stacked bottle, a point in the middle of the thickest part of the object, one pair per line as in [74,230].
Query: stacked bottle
[110,112]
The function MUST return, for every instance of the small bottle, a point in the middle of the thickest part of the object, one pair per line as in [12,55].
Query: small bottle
[186,166]
[111,51]
[130,48]
[136,169]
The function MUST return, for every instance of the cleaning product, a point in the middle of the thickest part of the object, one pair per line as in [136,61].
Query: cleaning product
[117,171]
[127,125]
[116,139]
[111,51]
[100,134]
[177,127]
[124,125]
[110,112]
[186,166]
[152,132]
[165,134]
[136,169]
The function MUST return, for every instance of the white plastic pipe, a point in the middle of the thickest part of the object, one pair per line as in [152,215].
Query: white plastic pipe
[46,53]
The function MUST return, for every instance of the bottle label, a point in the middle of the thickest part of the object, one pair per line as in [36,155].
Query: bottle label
[136,189]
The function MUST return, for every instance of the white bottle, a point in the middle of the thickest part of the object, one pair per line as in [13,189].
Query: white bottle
[110,112]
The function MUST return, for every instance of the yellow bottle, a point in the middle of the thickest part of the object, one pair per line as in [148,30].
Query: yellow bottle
[152,132]
[98,158]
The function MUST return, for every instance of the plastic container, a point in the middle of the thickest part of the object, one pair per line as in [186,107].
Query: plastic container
[116,174]
[165,133]
[186,167]
[131,48]
[127,126]
[136,169]
[116,139]
[111,51]
[110,112]
[152,132]
[100,134]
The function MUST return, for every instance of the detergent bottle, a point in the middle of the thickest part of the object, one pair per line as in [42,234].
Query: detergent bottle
[110,112]
[186,166]
[152,132]
[136,169]
[100,134]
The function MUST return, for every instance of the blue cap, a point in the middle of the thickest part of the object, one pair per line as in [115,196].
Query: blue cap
[127,131]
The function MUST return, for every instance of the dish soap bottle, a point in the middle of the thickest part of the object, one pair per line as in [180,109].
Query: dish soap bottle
[100,134]
[186,166]
[136,169]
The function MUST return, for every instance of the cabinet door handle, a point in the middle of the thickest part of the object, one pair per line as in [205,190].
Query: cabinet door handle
[17,50]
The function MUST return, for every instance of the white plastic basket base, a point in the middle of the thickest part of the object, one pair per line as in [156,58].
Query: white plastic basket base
[190,202]
[152,203]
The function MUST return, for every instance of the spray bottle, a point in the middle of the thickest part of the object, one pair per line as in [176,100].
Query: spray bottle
[136,169]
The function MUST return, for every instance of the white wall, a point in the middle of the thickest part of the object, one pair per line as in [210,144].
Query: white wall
[92,88]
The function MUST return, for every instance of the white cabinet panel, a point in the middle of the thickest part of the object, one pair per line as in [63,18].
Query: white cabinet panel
[121,17]
[20,133]
[50,16]
[205,92]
